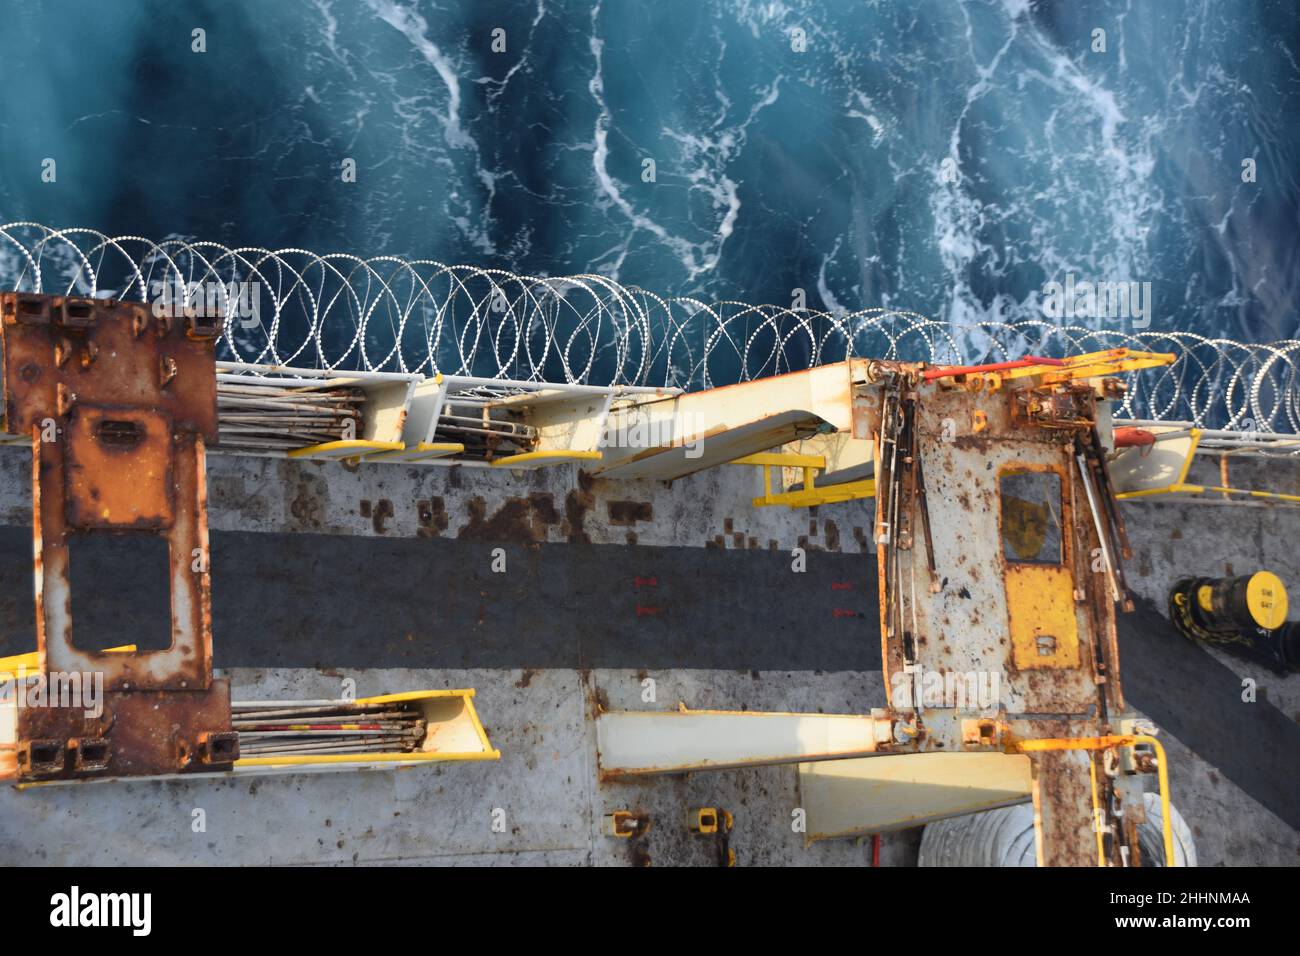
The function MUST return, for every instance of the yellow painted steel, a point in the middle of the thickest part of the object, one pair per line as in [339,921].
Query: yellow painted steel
[1096,811]
[1106,743]
[20,663]
[1184,489]
[410,695]
[1092,365]
[809,497]
[303,760]
[1040,603]
[1204,597]
[811,494]
[356,448]
[545,457]
[422,451]
[31,660]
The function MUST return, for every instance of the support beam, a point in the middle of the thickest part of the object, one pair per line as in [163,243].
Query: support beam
[647,742]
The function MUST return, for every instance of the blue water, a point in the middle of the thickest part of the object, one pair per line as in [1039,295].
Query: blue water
[822,170]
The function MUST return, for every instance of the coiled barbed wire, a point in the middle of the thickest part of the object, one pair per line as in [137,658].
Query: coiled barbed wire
[338,311]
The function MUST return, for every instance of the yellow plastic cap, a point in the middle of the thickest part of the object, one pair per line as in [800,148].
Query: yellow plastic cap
[1266,599]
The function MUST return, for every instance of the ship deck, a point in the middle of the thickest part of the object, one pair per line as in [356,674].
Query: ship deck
[323,571]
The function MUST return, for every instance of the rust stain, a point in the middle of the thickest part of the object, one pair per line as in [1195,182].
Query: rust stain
[308,503]
[576,505]
[629,512]
[432,514]
[519,519]
[383,510]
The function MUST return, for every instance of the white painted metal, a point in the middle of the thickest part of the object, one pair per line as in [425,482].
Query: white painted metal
[1156,466]
[699,430]
[877,794]
[645,742]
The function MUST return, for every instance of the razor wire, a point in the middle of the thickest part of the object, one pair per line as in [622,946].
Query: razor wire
[293,307]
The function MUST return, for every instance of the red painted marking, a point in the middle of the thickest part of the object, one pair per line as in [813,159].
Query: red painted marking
[841,585]
[643,611]
[1133,437]
[348,726]
[646,582]
[844,612]
[949,370]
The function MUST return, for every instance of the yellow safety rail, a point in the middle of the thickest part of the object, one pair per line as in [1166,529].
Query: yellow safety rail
[1181,487]
[1106,743]
[810,494]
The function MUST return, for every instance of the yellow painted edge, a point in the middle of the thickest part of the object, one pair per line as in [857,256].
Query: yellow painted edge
[303,760]
[413,695]
[783,460]
[478,725]
[1096,807]
[466,694]
[1182,489]
[20,662]
[1195,434]
[1166,490]
[530,456]
[358,446]
[31,660]
[422,451]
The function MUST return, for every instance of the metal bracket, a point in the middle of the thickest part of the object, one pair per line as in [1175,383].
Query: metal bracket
[120,406]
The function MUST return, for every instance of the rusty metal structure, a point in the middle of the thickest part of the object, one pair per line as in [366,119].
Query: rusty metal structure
[1019,575]
[120,407]
[120,404]
[1000,551]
